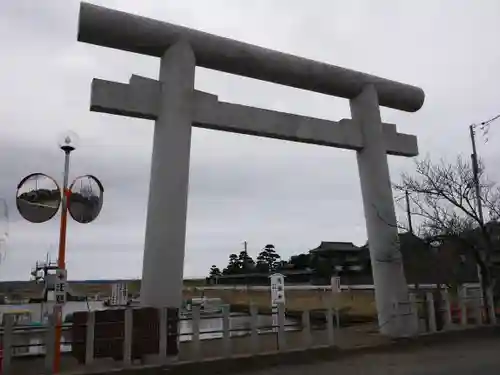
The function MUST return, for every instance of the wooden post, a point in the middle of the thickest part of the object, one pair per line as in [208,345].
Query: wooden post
[89,338]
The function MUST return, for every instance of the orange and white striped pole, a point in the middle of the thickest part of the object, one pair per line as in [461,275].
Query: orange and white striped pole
[61,261]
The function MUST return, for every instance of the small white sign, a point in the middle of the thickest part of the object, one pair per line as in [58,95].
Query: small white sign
[277,296]
[277,289]
[119,294]
[60,286]
[336,290]
[61,274]
[335,281]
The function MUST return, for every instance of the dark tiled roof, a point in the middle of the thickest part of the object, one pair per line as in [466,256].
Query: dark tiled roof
[250,275]
[335,246]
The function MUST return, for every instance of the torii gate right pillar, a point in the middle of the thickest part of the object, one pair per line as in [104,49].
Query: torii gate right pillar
[391,291]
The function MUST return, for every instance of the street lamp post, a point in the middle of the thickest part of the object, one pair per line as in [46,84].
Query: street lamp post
[41,203]
[67,146]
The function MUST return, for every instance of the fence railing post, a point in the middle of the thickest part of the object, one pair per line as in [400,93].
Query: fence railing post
[462,298]
[431,312]
[445,296]
[478,304]
[127,339]
[89,338]
[226,331]
[50,335]
[415,310]
[306,329]
[281,327]
[8,340]
[195,337]
[254,333]
[163,334]
[274,318]
[491,304]
[329,326]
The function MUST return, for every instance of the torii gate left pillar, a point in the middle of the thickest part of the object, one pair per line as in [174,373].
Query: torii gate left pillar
[163,262]
[175,106]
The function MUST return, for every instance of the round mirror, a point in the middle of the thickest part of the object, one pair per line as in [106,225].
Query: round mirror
[86,198]
[38,198]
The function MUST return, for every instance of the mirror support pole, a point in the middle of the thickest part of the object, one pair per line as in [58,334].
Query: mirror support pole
[61,261]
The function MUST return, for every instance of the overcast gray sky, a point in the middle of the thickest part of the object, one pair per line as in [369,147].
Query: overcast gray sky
[241,187]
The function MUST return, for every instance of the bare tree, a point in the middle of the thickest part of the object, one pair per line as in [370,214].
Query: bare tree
[443,198]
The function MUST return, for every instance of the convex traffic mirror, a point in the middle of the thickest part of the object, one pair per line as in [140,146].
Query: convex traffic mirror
[86,198]
[38,197]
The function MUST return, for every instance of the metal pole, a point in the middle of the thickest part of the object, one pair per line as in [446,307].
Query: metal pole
[61,261]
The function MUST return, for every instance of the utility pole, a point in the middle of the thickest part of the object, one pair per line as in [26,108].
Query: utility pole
[475,171]
[486,294]
[479,207]
[408,212]
[245,249]
[475,163]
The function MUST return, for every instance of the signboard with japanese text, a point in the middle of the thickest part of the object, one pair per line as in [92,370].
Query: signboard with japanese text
[277,289]
[277,296]
[335,282]
[60,286]
[336,290]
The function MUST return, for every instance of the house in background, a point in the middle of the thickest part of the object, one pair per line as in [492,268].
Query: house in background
[423,264]
[344,259]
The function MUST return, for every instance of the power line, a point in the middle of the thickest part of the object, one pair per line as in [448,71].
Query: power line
[485,126]
[490,120]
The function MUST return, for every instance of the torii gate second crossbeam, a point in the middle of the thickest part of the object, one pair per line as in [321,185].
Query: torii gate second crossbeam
[175,106]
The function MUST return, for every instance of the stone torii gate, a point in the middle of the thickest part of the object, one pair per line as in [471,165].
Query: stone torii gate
[175,106]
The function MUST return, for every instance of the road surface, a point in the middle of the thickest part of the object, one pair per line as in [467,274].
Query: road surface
[475,357]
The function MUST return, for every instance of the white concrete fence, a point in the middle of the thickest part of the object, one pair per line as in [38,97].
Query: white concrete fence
[14,337]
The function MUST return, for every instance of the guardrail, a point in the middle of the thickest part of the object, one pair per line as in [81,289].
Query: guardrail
[225,340]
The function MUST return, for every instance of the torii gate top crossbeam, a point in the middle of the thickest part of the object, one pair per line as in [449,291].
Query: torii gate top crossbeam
[111,28]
